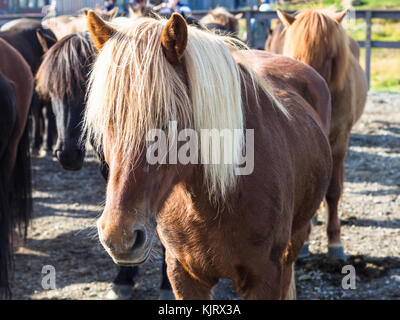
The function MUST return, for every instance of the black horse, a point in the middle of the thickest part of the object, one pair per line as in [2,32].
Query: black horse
[62,77]
[32,40]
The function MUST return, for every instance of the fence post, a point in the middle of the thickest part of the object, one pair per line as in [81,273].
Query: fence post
[249,31]
[368,19]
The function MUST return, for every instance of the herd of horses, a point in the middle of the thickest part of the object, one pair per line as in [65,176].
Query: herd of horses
[106,81]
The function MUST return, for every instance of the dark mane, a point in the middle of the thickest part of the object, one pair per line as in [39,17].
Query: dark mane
[65,67]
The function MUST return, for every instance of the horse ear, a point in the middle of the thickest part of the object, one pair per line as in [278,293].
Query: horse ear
[286,18]
[174,38]
[239,16]
[340,15]
[99,30]
[42,40]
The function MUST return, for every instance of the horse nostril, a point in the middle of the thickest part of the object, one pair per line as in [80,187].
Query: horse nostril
[138,239]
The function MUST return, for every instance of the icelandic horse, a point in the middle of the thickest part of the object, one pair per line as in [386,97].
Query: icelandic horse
[317,38]
[214,221]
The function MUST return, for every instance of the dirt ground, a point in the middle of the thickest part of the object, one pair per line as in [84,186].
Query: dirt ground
[66,205]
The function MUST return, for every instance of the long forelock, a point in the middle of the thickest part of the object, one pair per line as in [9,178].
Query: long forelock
[133,89]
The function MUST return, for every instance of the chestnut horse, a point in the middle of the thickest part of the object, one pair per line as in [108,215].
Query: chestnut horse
[317,38]
[16,88]
[215,220]
[276,38]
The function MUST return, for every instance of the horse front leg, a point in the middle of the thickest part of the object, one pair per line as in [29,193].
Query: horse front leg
[36,114]
[123,284]
[50,127]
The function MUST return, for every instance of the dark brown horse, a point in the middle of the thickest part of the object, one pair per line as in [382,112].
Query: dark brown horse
[16,88]
[317,38]
[214,219]
[62,78]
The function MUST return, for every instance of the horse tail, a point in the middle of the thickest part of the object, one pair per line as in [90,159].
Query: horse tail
[21,182]
[15,206]
[5,227]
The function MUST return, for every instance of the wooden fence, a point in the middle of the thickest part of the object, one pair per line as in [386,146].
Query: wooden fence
[367,15]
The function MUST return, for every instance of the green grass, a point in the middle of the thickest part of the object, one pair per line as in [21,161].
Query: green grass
[382,30]
[385,69]
[385,63]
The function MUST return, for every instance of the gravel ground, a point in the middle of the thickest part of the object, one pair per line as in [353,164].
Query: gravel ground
[63,233]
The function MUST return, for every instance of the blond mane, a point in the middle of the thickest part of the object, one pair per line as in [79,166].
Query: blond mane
[314,38]
[133,89]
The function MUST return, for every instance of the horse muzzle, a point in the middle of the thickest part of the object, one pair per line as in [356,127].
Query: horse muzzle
[126,248]
[70,159]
